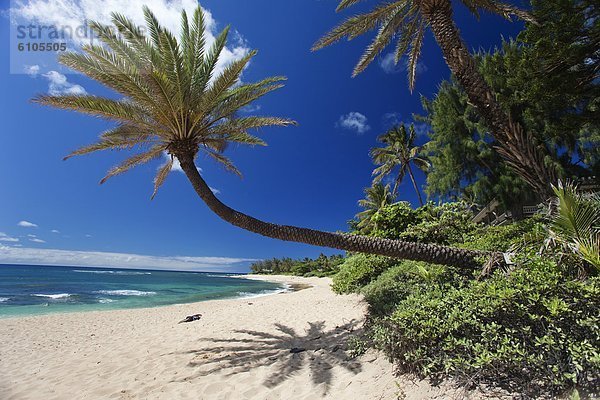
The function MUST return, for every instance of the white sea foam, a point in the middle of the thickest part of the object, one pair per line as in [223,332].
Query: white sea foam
[95,271]
[105,301]
[4,299]
[125,293]
[268,292]
[53,296]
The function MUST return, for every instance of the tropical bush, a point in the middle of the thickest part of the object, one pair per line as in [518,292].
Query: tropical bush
[441,224]
[321,266]
[399,282]
[358,270]
[505,237]
[535,332]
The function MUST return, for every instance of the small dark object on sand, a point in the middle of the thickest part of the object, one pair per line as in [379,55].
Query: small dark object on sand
[296,350]
[191,318]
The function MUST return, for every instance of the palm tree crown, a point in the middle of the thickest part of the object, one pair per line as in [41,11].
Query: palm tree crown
[404,22]
[376,197]
[173,97]
[399,151]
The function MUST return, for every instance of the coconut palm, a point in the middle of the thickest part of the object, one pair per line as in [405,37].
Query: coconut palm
[399,151]
[376,197]
[175,102]
[406,21]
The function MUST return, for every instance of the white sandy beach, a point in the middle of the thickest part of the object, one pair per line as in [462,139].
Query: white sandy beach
[240,349]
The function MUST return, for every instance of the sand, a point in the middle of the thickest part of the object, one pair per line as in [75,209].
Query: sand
[240,349]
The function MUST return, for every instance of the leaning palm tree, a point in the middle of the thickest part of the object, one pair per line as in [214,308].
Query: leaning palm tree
[399,152]
[376,197]
[406,21]
[175,102]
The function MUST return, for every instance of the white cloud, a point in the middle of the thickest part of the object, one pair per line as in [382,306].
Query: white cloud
[391,119]
[55,231]
[72,14]
[34,256]
[59,85]
[251,108]
[422,129]
[389,66]
[5,238]
[27,224]
[32,70]
[176,166]
[354,121]
[31,236]
[36,240]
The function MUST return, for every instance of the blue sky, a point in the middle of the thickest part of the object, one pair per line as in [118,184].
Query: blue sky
[311,175]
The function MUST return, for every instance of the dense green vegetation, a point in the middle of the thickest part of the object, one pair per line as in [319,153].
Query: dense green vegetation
[320,266]
[547,80]
[534,330]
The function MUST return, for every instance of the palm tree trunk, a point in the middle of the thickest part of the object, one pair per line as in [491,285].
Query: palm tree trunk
[412,178]
[519,149]
[355,243]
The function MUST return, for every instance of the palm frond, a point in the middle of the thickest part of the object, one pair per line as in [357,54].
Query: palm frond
[382,39]
[119,138]
[413,57]
[497,7]
[225,162]
[225,80]
[117,110]
[356,25]
[345,4]
[406,34]
[153,26]
[153,153]
[161,175]
[208,65]
[577,222]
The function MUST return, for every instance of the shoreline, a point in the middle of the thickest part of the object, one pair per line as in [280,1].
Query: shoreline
[278,279]
[293,345]
[240,349]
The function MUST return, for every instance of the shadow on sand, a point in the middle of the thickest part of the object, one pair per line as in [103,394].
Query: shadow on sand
[317,350]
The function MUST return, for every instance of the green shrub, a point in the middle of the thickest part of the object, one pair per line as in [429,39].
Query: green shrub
[442,224]
[392,220]
[397,283]
[535,331]
[358,270]
[321,266]
[502,238]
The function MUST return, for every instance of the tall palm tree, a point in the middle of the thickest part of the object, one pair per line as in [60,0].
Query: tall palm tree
[174,102]
[376,197]
[399,151]
[406,21]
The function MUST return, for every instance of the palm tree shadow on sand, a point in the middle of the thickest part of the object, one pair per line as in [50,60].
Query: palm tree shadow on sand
[317,350]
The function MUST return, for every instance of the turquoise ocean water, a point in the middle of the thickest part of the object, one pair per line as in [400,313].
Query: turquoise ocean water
[31,290]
